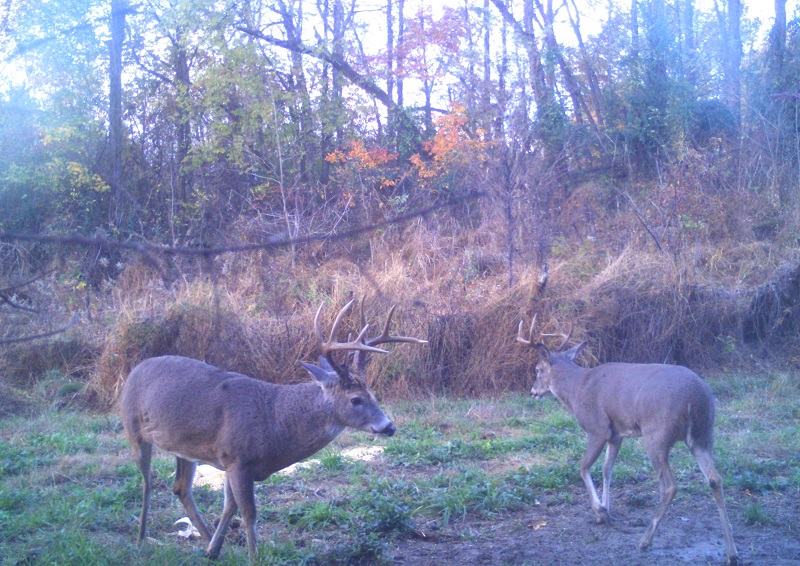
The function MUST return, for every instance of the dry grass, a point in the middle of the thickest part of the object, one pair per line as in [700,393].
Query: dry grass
[713,295]
[254,314]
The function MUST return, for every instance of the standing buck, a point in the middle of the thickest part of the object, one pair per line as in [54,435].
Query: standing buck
[246,427]
[661,403]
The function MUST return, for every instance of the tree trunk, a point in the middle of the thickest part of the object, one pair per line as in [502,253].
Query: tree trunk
[634,29]
[502,93]
[119,9]
[595,93]
[733,60]
[183,118]
[777,42]
[689,54]
[292,23]
[486,91]
[550,46]
[401,24]
[390,54]
[338,80]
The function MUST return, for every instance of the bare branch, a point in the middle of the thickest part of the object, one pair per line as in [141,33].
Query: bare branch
[361,81]
[25,283]
[148,249]
[642,220]
[6,341]
[4,298]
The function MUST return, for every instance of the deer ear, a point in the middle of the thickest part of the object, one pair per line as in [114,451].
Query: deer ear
[323,362]
[325,376]
[575,351]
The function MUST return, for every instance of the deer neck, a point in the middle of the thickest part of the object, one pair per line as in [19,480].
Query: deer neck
[566,383]
[308,422]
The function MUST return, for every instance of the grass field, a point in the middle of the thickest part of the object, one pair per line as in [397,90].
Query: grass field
[458,474]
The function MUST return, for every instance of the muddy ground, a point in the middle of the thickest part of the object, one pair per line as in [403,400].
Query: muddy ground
[565,533]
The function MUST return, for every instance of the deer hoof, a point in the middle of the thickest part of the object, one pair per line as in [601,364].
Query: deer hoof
[732,561]
[603,516]
[643,545]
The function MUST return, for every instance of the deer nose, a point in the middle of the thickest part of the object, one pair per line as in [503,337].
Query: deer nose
[388,430]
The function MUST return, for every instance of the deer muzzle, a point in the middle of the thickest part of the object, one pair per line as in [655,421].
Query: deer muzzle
[388,430]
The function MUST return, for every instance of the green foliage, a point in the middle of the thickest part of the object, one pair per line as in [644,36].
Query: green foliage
[382,505]
[332,461]
[754,514]
[16,460]
[52,177]
[316,514]
[366,549]
[436,451]
[549,478]
[453,497]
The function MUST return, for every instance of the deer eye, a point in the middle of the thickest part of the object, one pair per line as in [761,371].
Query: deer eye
[357,401]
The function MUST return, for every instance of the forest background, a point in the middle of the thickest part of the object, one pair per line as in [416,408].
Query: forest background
[197,176]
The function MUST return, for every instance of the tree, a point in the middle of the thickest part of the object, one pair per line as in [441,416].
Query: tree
[777,40]
[57,179]
[731,24]
[405,124]
[119,9]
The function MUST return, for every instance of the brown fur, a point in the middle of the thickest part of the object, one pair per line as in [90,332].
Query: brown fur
[663,404]
[246,427]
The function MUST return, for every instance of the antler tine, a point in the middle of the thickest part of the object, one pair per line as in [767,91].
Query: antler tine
[565,337]
[331,345]
[317,329]
[520,338]
[338,320]
[386,338]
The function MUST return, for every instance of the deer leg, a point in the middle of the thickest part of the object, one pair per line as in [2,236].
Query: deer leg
[242,487]
[212,551]
[659,458]
[608,467]
[143,453]
[184,475]
[705,459]
[593,449]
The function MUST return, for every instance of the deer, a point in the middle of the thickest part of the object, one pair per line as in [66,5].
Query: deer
[660,403]
[246,427]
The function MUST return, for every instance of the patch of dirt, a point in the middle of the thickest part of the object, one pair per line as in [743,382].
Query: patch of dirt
[565,533]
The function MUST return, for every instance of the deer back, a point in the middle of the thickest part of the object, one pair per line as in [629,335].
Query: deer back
[636,399]
[202,413]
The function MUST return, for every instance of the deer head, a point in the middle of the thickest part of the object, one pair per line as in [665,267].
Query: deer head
[346,387]
[547,359]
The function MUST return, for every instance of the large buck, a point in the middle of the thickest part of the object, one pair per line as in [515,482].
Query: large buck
[660,403]
[244,426]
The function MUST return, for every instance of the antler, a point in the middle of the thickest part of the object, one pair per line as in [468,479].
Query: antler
[566,337]
[384,338]
[529,341]
[329,346]
[521,339]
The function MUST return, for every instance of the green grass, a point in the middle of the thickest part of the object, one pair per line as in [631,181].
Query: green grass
[70,493]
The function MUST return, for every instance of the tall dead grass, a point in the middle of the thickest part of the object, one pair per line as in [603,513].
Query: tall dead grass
[254,313]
